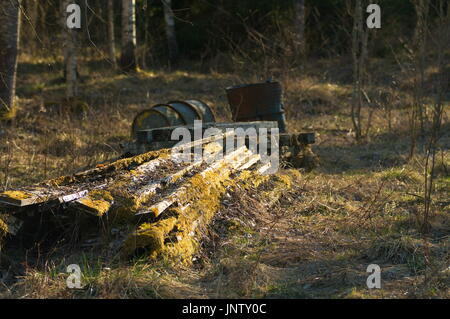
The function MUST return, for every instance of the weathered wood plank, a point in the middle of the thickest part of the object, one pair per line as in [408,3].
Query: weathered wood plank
[22,198]
[228,163]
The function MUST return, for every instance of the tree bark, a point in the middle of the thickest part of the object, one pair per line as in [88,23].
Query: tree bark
[128,60]
[299,8]
[422,8]
[70,54]
[29,24]
[170,30]
[360,37]
[9,46]
[111,37]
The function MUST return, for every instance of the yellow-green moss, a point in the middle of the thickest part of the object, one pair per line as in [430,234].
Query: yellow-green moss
[3,230]
[282,182]
[195,211]
[203,196]
[8,114]
[18,195]
[3,227]
[150,237]
[98,201]
[248,180]
[122,164]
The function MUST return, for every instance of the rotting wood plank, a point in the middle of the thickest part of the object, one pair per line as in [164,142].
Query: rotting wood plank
[255,158]
[92,204]
[226,164]
[19,198]
[151,188]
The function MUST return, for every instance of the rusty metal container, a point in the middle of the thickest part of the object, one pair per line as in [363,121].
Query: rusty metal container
[174,113]
[257,102]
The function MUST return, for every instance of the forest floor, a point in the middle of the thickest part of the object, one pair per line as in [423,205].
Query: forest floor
[359,207]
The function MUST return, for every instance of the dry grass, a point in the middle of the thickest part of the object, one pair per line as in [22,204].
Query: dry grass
[359,207]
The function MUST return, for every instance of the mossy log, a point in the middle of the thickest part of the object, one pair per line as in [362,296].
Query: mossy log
[198,200]
[173,201]
[224,167]
[177,235]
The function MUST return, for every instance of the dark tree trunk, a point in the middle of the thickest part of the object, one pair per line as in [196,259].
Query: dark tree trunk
[9,45]
[128,57]
[70,54]
[170,30]
[299,7]
[111,37]
[29,24]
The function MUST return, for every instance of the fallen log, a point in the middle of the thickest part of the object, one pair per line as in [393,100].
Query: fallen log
[176,199]
[198,200]
[228,163]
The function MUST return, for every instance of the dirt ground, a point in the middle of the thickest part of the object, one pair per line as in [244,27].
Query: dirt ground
[359,207]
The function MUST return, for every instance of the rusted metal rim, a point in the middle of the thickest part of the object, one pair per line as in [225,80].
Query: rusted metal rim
[180,114]
[186,111]
[173,113]
[207,114]
[196,110]
[140,114]
[202,109]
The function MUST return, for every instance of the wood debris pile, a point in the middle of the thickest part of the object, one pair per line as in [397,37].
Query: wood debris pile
[151,203]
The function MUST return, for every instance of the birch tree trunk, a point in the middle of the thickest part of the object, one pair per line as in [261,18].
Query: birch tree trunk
[128,56]
[111,37]
[170,30]
[9,46]
[70,54]
[299,8]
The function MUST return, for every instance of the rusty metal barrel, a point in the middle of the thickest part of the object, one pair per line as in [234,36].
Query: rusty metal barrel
[173,113]
[257,102]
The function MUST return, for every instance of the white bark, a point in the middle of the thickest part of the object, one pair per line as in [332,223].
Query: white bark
[170,29]
[70,53]
[9,44]
[128,58]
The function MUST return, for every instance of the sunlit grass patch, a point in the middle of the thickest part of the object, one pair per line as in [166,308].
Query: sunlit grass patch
[402,175]
[399,249]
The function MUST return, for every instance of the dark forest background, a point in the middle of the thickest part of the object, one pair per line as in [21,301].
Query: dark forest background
[205,29]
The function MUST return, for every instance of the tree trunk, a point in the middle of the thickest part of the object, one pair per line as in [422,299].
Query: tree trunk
[422,8]
[9,45]
[111,38]
[29,24]
[70,54]
[33,6]
[128,56]
[360,37]
[299,7]
[170,30]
